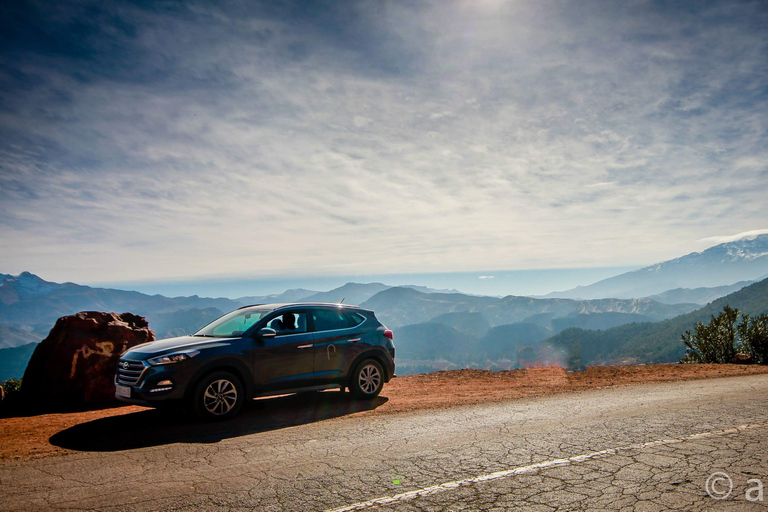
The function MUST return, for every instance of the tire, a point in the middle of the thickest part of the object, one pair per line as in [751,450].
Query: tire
[367,380]
[219,396]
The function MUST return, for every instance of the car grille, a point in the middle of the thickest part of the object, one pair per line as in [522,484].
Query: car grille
[129,372]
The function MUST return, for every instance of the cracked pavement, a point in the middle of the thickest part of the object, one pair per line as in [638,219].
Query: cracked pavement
[636,448]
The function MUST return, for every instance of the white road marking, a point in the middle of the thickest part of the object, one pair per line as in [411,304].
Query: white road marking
[522,470]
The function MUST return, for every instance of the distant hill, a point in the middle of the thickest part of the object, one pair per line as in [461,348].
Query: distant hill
[433,346]
[721,265]
[292,295]
[698,295]
[657,342]
[399,306]
[183,321]
[13,337]
[438,341]
[488,332]
[351,293]
[13,361]
[473,324]
[357,293]
[33,304]
[597,321]
[503,341]
[433,341]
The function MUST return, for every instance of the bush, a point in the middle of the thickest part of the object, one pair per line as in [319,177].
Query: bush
[753,335]
[11,387]
[717,341]
[714,342]
[10,393]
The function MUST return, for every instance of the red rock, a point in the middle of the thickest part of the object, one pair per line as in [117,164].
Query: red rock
[75,365]
[742,359]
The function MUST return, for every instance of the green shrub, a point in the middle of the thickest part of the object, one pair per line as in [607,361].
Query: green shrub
[714,342]
[717,341]
[753,337]
[11,388]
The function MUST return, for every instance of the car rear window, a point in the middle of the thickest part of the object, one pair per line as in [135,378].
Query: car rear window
[353,318]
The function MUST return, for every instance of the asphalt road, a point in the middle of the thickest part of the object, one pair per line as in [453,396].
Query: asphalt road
[649,447]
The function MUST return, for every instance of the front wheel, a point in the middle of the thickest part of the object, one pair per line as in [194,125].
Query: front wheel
[367,380]
[219,396]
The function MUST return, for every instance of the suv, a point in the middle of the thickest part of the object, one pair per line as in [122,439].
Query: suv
[263,350]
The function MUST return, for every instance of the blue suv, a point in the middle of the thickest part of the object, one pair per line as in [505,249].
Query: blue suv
[262,350]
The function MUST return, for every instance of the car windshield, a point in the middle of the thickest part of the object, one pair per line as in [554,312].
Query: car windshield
[232,325]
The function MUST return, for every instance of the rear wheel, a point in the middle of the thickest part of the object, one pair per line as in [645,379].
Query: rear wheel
[219,396]
[367,379]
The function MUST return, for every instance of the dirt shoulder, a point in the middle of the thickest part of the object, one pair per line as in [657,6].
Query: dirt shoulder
[28,436]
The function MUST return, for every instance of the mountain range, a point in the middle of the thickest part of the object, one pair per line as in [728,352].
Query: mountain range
[722,265]
[430,323]
[652,342]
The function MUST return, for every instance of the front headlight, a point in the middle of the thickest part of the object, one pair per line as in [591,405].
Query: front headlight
[172,358]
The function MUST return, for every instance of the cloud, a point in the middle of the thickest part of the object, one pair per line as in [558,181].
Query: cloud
[714,240]
[265,138]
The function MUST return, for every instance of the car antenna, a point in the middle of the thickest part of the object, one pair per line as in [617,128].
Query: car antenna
[342,301]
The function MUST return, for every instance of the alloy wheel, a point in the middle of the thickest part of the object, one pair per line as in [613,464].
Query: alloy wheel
[369,379]
[220,397]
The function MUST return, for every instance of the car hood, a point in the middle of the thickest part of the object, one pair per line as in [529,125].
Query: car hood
[179,343]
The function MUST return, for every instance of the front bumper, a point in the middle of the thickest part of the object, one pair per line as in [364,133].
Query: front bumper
[153,385]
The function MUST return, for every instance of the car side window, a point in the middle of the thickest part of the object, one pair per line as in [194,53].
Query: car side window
[289,323]
[330,320]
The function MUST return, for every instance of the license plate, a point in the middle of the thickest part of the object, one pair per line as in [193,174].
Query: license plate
[123,391]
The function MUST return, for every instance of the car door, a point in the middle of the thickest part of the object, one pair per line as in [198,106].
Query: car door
[338,337]
[287,360]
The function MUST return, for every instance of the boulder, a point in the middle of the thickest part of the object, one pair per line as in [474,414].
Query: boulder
[742,358]
[75,365]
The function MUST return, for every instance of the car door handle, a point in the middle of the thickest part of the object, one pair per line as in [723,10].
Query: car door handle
[353,340]
[304,346]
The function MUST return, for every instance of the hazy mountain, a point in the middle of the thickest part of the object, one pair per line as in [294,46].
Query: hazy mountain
[653,342]
[399,306]
[292,295]
[724,264]
[473,324]
[183,321]
[426,289]
[13,361]
[489,332]
[33,304]
[357,293]
[351,293]
[433,341]
[13,337]
[429,346]
[503,341]
[597,321]
[698,295]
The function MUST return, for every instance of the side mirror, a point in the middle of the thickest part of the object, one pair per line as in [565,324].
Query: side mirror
[266,332]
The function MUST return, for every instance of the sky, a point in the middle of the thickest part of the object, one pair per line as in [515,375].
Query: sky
[191,141]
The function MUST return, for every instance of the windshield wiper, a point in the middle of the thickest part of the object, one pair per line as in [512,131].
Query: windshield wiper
[205,335]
